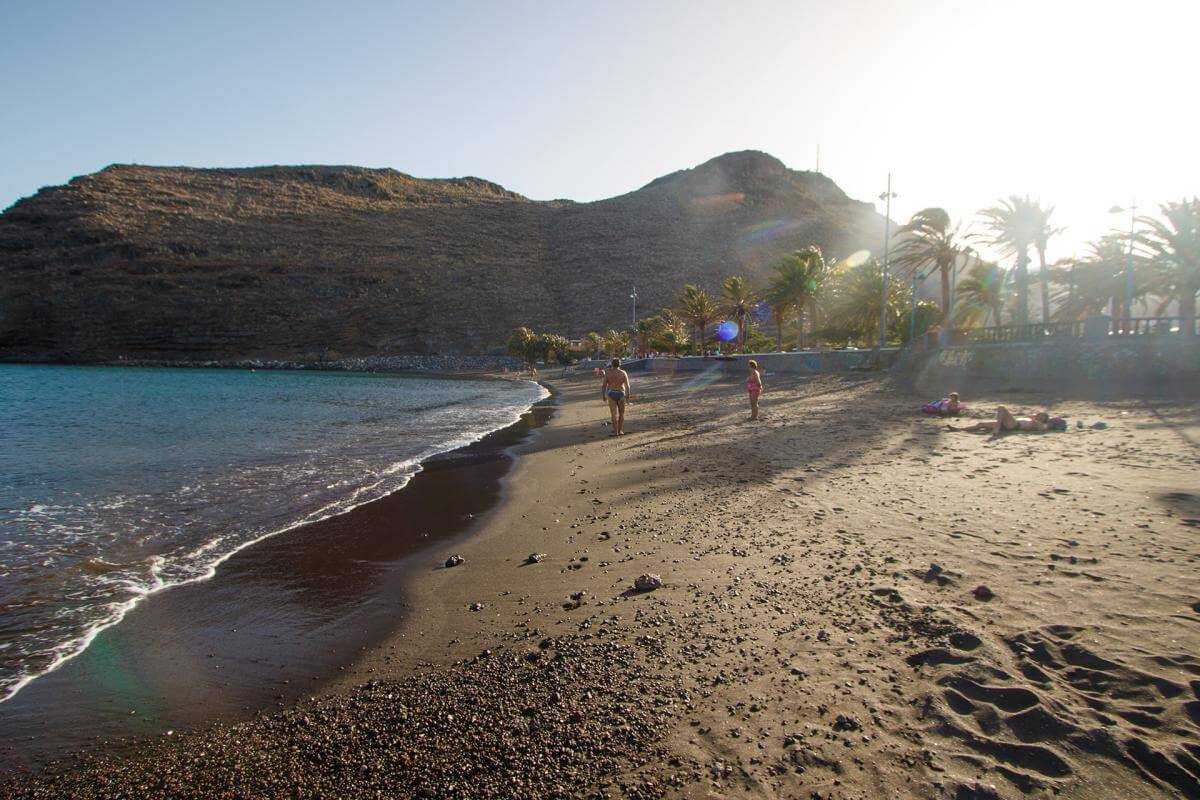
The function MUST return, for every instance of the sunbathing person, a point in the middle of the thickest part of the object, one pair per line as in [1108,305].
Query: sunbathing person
[946,407]
[1005,421]
[952,407]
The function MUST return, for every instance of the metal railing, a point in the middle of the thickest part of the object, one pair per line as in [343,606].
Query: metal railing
[1155,326]
[1095,328]
[1031,332]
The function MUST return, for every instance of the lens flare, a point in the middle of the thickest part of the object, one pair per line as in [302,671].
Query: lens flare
[720,201]
[857,257]
[768,230]
[727,331]
[702,381]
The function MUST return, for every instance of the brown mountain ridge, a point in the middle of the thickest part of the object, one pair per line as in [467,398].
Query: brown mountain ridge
[326,261]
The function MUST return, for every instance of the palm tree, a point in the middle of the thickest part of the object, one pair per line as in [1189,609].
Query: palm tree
[857,297]
[520,344]
[927,313]
[594,342]
[795,284]
[1042,232]
[698,309]
[1012,227]
[1174,249]
[1096,280]
[673,338]
[980,294]
[930,242]
[737,302]
[616,342]
[646,329]
[1062,274]
[781,314]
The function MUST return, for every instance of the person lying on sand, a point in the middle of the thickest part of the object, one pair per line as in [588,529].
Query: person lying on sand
[946,407]
[1005,421]
[952,407]
[615,390]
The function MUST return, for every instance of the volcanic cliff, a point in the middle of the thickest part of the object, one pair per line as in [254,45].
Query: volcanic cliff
[319,261]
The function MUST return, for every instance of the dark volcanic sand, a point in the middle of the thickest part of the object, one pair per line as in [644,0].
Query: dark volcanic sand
[276,623]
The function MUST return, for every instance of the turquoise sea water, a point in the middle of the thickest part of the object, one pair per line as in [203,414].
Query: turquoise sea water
[116,483]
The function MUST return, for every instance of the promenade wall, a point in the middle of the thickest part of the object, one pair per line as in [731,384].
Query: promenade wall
[798,363]
[1121,365]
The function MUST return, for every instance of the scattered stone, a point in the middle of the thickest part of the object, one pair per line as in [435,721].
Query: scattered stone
[845,722]
[480,729]
[647,583]
[535,558]
[454,561]
[983,593]
[477,606]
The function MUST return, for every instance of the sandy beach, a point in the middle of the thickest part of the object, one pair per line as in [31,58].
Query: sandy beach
[856,603]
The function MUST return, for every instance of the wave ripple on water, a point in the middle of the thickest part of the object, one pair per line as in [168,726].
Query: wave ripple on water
[116,483]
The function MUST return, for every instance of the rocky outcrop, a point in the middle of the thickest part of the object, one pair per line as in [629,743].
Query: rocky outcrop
[336,262]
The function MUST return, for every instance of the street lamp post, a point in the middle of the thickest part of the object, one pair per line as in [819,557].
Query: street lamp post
[887,221]
[1129,261]
[953,294]
[912,316]
[633,298]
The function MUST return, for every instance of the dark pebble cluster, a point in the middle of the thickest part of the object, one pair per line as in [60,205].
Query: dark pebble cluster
[563,719]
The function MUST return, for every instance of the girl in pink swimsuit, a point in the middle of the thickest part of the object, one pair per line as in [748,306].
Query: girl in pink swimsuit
[754,386]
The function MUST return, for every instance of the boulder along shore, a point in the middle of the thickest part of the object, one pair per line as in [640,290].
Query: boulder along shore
[854,603]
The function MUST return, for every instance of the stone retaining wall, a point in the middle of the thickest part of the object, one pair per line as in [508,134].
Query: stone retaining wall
[1120,365]
[799,363]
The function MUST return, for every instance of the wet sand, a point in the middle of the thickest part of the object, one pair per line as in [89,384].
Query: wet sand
[279,621]
[821,631]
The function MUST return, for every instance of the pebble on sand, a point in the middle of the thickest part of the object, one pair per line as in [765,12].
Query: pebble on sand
[454,561]
[647,583]
[983,593]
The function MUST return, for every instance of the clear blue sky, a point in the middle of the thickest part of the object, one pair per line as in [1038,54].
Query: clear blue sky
[1083,103]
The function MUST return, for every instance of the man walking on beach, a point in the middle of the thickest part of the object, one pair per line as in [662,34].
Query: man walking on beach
[615,390]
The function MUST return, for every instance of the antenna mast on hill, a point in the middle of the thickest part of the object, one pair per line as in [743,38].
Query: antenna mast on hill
[818,158]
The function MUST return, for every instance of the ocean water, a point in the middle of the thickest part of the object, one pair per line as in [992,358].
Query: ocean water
[116,483]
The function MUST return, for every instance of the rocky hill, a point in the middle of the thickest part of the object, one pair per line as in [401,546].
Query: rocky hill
[297,262]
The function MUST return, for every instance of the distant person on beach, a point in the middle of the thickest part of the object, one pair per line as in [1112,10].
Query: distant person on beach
[946,407]
[952,406]
[614,389]
[1005,422]
[754,386]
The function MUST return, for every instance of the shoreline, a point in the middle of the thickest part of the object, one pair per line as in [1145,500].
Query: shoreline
[819,630]
[454,366]
[382,536]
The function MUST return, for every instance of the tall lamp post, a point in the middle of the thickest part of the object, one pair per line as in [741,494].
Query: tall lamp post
[953,292]
[912,315]
[887,236]
[1129,261]
[633,299]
